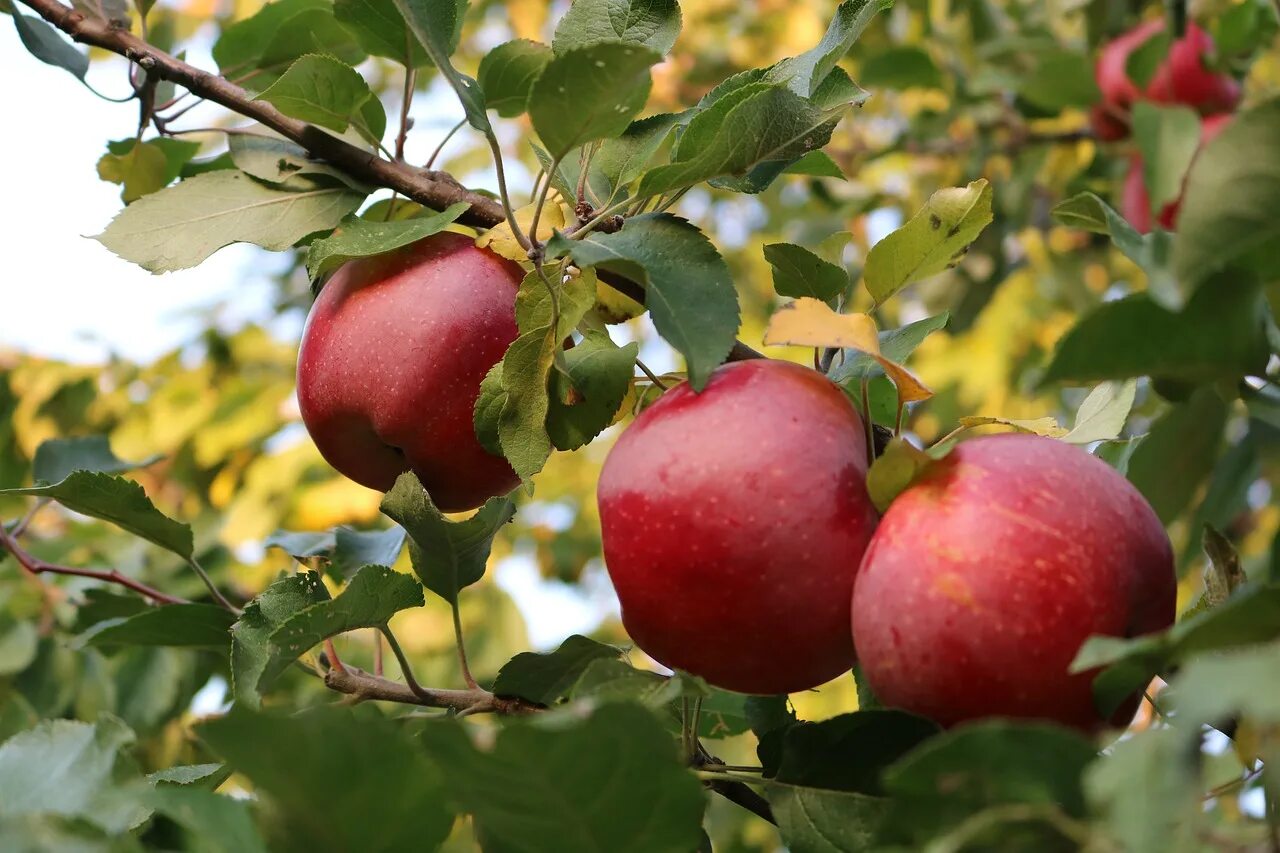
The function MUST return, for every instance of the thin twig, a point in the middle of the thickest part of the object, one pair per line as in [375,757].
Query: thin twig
[354,681]
[332,654]
[377,652]
[462,648]
[25,522]
[653,377]
[36,566]
[443,142]
[211,586]
[410,74]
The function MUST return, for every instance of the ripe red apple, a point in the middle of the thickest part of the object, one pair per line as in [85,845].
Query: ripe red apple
[1111,70]
[391,361]
[733,521]
[1183,78]
[984,579]
[1135,203]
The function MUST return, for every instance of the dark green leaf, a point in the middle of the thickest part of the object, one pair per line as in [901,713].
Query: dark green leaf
[361,238]
[598,785]
[1146,793]
[1227,216]
[651,23]
[302,545]
[596,377]
[1168,138]
[1147,57]
[688,288]
[546,677]
[381,29]
[807,73]
[590,93]
[1221,334]
[507,74]
[48,46]
[893,472]
[816,164]
[849,752]
[242,43]
[1179,453]
[799,272]
[374,595]
[354,549]
[1059,79]
[367,767]
[487,417]
[811,820]
[436,24]
[621,160]
[321,90]
[182,225]
[900,67]
[1150,251]
[250,636]
[931,241]
[188,625]
[56,458]
[447,555]
[221,823]
[119,501]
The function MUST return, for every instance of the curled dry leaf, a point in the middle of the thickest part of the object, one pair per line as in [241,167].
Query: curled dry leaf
[500,240]
[811,322]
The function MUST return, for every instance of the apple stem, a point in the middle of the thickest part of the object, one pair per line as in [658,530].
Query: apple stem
[865,387]
[405,669]
[462,647]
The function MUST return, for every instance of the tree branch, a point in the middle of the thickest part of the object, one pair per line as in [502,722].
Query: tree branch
[431,188]
[363,685]
[35,566]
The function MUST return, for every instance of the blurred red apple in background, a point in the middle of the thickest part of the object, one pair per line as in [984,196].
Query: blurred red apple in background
[1135,203]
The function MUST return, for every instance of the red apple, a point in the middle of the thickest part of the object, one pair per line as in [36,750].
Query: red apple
[984,579]
[733,521]
[1111,69]
[1183,78]
[391,361]
[1135,203]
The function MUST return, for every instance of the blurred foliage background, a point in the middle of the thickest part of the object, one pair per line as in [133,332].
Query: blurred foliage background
[960,90]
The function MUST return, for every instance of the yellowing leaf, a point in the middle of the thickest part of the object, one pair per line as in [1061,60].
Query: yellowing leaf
[501,241]
[1047,427]
[811,322]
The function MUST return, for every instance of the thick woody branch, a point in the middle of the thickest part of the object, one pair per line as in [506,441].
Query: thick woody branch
[431,188]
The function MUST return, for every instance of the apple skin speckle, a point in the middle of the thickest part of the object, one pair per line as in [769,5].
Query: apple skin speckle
[984,579]
[733,522]
[391,361]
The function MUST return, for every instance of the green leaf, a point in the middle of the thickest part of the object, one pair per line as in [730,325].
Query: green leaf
[222,824]
[47,45]
[900,67]
[447,555]
[799,272]
[548,676]
[140,171]
[1102,415]
[651,23]
[487,416]
[1147,57]
[1227,216]
[69,768]
[931,240]
[250,636]
[278,160]
[1146,793]
[968,769]
[186,625]
[893,472]
[362,238]
[381,29]
[368,767]
[811,820]
[355,549]
[1179,453]
[688,287]
[56,458]
[374,595]
[1059,79]
[303,545]
[807,73]
[1151,252]
[753,125]
[623,159]
[182,225]
[319,89]
[507,74]
[1251,616]
[119,501]
[1168,138]
[897,345]
[596,785]
[243,42]
[184,774]
[437,24]
[817,164]
[597,373]
[19,641]
[1239,683]
[851,751]
[1221,334]
[590,93]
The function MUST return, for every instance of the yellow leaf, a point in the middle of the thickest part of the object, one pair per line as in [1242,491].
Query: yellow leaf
[1047,427]
[811,322]
[501,241]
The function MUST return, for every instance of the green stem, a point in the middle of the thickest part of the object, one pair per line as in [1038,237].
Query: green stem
[211,586]
[462,648]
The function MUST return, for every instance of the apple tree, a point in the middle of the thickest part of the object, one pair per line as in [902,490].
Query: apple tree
[893,386]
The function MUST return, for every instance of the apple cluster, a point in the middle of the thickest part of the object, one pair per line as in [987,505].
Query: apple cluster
[736,522]
[1182,78]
